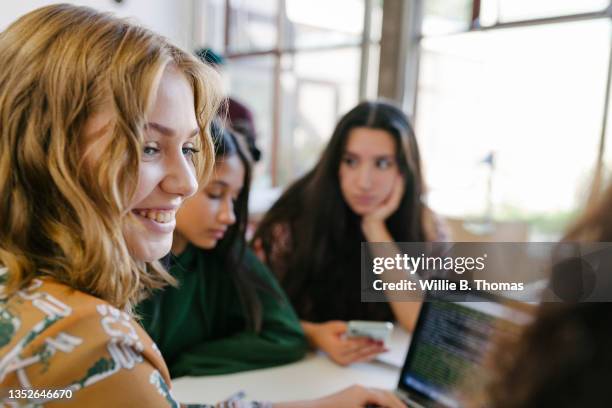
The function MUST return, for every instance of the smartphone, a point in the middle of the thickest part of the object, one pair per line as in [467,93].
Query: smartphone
[375,330]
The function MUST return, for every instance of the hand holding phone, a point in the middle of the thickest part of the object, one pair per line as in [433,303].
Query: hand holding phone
[380,331]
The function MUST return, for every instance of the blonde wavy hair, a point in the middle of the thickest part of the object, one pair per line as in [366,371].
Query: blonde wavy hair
[58,217]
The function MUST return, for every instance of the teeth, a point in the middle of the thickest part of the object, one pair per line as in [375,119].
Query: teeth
[159,216]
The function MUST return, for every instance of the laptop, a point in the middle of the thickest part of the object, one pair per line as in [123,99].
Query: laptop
[446,359]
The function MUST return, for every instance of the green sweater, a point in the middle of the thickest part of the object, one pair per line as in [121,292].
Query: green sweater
[200,327]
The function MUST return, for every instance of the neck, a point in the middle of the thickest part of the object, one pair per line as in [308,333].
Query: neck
[179,244]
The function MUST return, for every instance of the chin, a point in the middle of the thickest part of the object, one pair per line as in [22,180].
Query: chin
[206,244]
[361,211]
[151,252]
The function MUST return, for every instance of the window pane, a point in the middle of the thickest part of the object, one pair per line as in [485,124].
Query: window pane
[531,96]
[211,29]
[372,80]
[446,16]
[377,19]
[607,157]
[318,87]
[253,25]
[252,83]
[308,26]
[493,11]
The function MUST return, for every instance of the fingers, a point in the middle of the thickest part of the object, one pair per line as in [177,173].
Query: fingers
[359,342]
[346,359]
[390,204]
[359,396]
[359,350]
[343,350]
[364,354]
[356,344]
[337,326]
[327,336]
[369,355]
[383,398]
[364,357]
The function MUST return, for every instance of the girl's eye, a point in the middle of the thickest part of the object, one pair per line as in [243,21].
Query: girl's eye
[150,150]
[190,151]
[214,194]
[384,163]
[349,161]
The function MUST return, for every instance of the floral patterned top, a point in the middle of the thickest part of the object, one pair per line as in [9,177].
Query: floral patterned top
[56,338]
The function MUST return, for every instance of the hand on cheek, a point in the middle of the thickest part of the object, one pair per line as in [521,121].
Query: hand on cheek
[373,223]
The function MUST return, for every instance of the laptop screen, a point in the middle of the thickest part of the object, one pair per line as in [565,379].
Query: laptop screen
[445,358]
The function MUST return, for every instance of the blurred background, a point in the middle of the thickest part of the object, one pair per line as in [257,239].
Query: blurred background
[510,98]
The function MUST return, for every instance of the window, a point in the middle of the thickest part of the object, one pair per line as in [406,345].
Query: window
[298,83]
[510,121]
[447,16]
[504,11]
[252,25]
[252,83]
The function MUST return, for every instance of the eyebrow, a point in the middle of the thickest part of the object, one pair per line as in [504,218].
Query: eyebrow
[382,156]
[222,184]
[166,131]
[219,182]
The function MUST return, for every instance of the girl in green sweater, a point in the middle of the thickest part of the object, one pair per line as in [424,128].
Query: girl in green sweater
[228,313]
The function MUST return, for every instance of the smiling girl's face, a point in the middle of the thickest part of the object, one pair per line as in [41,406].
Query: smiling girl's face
[205,218]
[166,172]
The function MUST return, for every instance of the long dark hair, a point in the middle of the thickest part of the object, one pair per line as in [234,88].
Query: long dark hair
[232,247]
[320,269]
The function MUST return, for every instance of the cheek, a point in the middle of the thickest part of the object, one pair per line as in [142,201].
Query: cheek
[195,214]
[142,245]
[148,179]
[345,178]
[385,181]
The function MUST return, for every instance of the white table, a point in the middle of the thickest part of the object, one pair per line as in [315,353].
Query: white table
[312,377]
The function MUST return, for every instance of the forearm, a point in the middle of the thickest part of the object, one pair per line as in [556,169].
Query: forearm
[376,231]
[309,331]
[405,312]
[241,352]
[325,402]
[295,404]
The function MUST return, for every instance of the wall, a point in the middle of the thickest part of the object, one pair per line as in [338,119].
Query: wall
[171,18]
